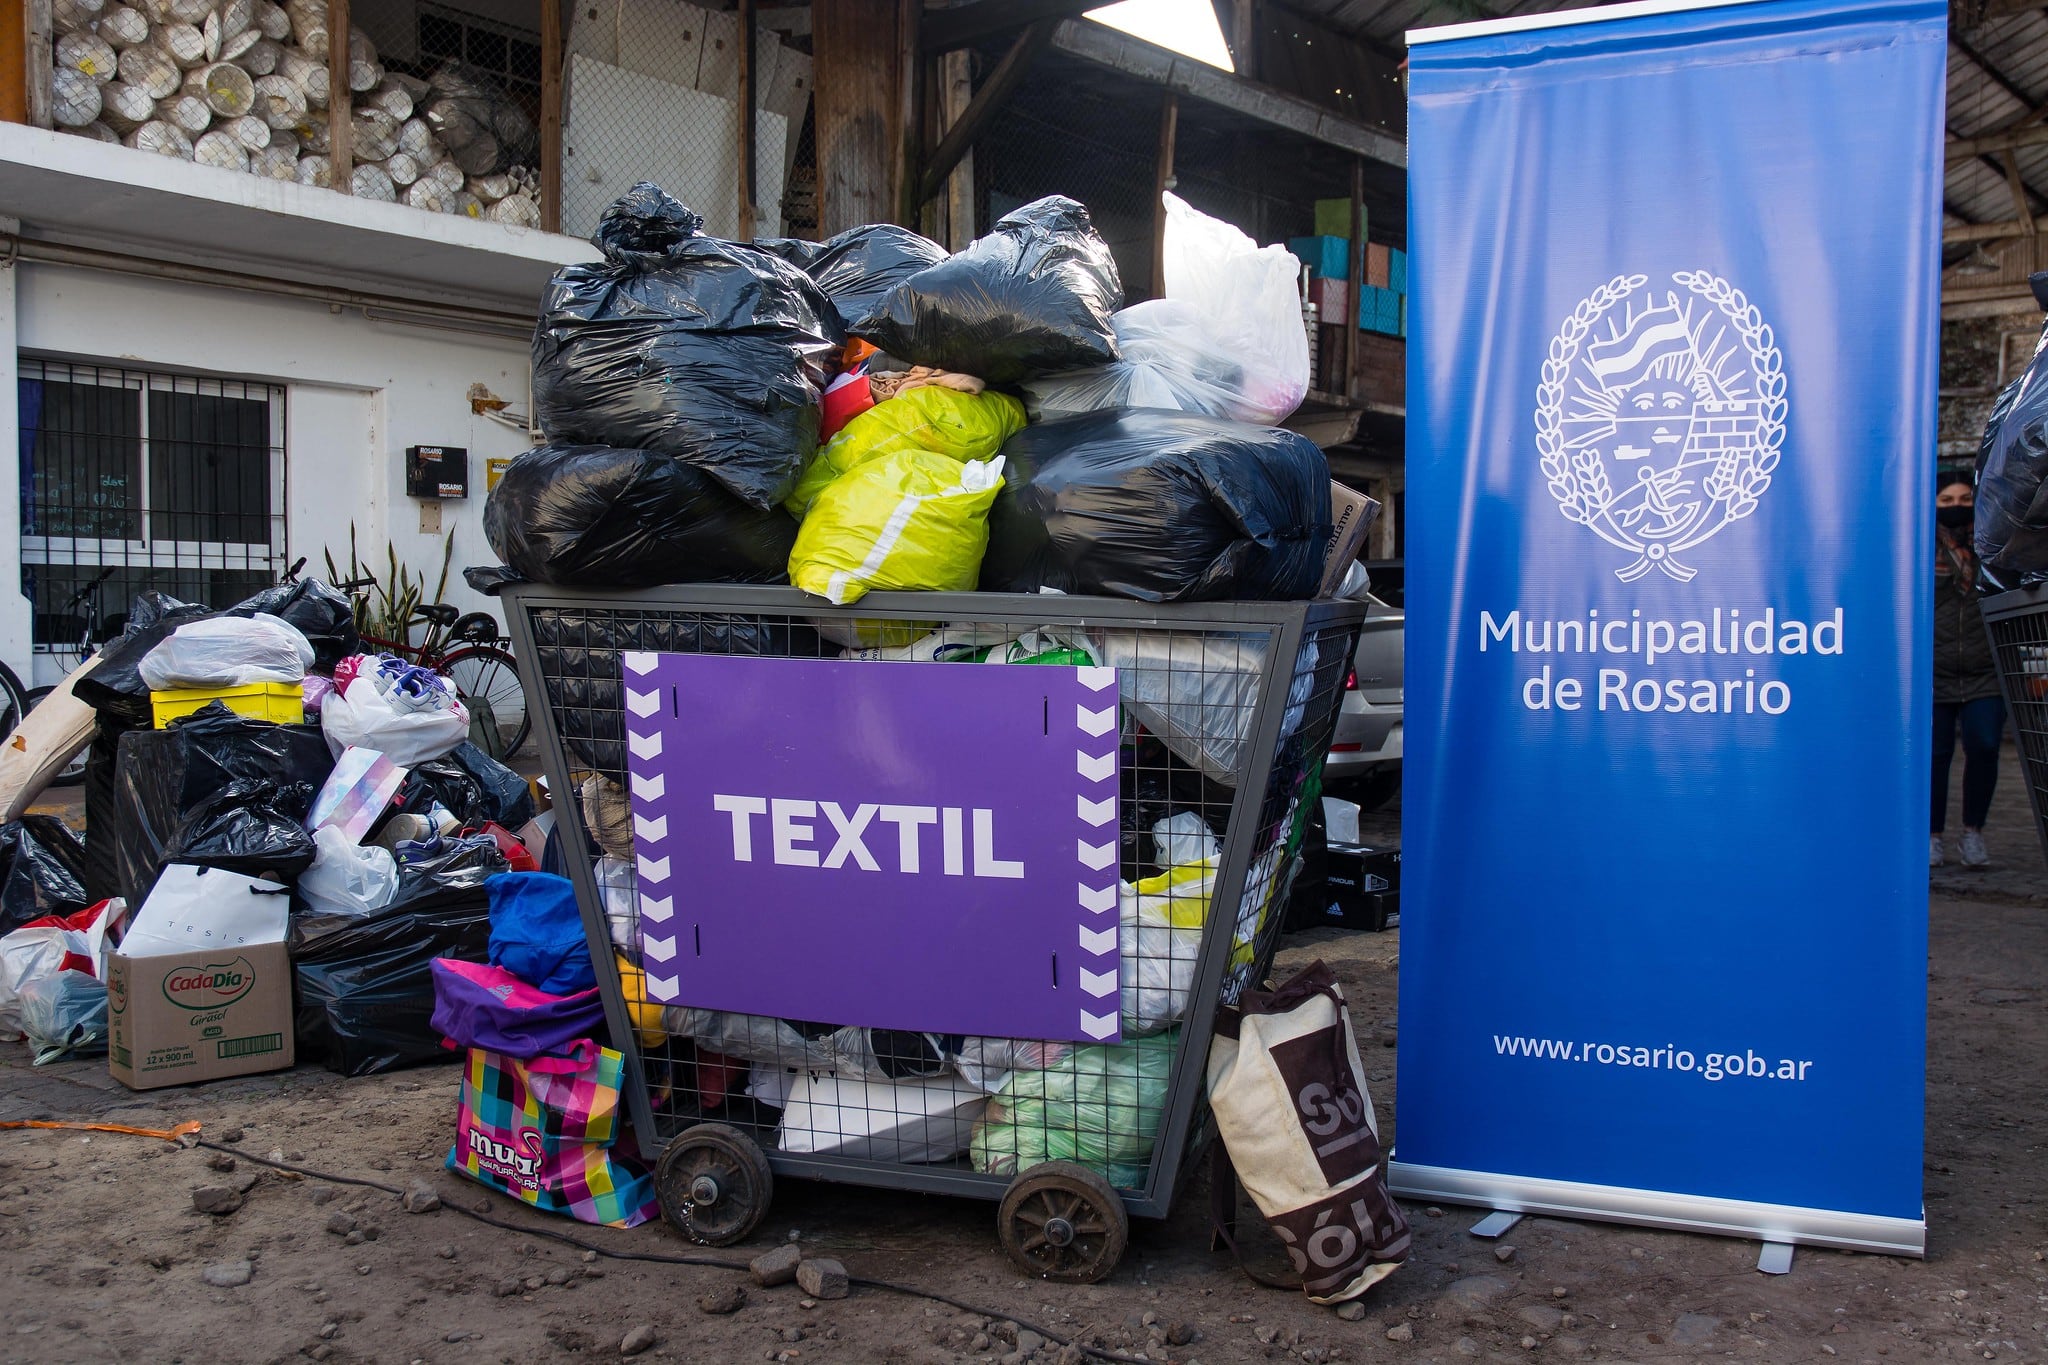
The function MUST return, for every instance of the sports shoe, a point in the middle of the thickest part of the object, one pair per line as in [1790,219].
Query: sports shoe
[1974,852]
[1936,853]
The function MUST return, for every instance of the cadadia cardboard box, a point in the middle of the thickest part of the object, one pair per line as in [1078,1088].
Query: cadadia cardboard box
[180,1018]
[201,986]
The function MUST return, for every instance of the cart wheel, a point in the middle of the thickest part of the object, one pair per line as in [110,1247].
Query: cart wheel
[1060,1221]
[714,1185]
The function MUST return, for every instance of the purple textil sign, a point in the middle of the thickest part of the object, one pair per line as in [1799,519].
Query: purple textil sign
[928,847]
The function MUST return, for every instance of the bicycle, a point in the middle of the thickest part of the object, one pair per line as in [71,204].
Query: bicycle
[18,701]
[469,652]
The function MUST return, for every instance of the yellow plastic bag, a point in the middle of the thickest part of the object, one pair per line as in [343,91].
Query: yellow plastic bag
[965,426]
[911,520]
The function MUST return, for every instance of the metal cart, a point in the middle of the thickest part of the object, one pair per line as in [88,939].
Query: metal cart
[1227,714]
[2018,624]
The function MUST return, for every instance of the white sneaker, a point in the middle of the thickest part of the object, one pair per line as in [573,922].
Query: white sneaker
[1974,852]
[1936,853]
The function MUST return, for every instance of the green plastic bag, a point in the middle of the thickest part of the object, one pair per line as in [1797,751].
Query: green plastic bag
[1099,1106]
[965,426]
[912,520]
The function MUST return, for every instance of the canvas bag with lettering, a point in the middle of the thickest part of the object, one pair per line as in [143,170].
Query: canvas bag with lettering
[1291,1105]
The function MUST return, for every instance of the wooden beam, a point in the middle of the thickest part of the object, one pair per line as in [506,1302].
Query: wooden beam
[551,115]
[2022,206]
[14,65]
[993,94]
[1985,64]
[910,111]
[1118,51]
[1356,293]
[1162,181]
[1993,143]
[40,52]
[956,92]
[743,99]
[967,24]
[1991,232]
[1244,38]
[340,99]
[854,103]
[1970,15]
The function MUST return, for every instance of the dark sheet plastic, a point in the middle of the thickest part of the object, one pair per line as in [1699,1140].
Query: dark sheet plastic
[483,128]
[1033,297]
[473,786]
[579,657]
[176,788]
[2012,480]
[596,516]
[859,267]
[115,682]
[365,998]
[1160,506]
[677,343]
[324,615]
[42,871]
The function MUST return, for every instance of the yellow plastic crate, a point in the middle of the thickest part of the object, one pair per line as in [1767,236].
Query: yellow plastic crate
[283,703]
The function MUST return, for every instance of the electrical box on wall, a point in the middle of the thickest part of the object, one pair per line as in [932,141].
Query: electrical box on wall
[436,472]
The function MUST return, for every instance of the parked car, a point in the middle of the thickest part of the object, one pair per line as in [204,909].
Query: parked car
[1365,755]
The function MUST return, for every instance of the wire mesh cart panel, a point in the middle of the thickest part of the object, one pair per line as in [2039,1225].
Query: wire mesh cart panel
[1224,715]
[2018,624]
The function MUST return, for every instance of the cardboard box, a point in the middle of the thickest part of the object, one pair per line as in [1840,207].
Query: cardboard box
[1379,310]
[1353,514]
[1329,257]
[179,1018]
[1333,218]
[1332,298]
[1378,264]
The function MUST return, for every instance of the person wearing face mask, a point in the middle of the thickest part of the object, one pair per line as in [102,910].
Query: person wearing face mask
[1966,699]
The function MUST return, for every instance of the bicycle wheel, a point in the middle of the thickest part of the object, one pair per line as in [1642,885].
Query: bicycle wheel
[72,773]
[488,682]
[14,701]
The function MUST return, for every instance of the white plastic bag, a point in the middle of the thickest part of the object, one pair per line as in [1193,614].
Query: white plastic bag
[64,1013]
[370,717]
[1181,839]
[228,651]
[25,955]
[348,878]
[1226,340]
[1198,693]
[901,1121]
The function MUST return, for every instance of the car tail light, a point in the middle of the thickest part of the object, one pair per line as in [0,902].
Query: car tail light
[1351,680]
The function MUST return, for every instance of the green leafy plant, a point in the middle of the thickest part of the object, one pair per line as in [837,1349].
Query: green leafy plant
[386,608]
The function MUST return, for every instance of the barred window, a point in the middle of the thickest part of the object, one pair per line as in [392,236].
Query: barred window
[138,480]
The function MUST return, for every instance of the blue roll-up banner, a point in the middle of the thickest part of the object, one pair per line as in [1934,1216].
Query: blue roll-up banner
[1671,430]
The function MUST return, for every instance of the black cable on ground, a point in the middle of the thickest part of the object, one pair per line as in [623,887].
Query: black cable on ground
[662,1258]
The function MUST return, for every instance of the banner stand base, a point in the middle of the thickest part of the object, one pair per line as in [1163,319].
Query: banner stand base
[1495,1224]
[1773,1223]
[1774,1258]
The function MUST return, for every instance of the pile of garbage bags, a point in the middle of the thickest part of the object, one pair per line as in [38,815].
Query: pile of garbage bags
[258,749]
[874,413]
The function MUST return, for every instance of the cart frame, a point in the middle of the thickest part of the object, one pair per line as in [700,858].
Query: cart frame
[2017,623]
[1286,625]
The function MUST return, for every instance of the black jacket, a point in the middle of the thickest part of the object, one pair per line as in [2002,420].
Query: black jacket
[1964,669]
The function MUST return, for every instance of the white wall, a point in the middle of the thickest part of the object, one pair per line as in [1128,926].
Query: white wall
[15,624]
[358,393]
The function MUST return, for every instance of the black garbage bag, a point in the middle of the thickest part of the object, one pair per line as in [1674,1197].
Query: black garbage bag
[115,683]
[1160,506]
[578,656]
[168,784]
[473,786]
[2012,478]
[464,867]
[859,267]
[42,871]
[1031,298]
[324,615]
[102,867]
[365,997]
[684,345]
[595,516]
[249,826]
[484,129]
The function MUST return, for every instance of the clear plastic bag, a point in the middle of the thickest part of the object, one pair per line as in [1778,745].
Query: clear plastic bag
[64,1015]
[410,726]
[228,651]
[1227,340]
[346,878]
